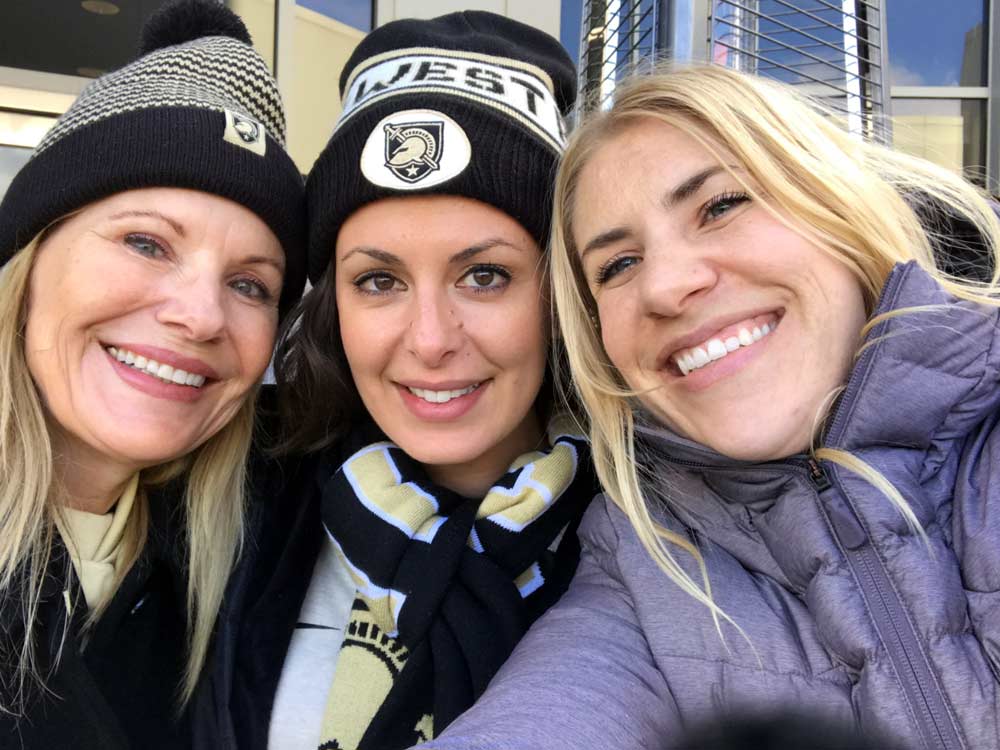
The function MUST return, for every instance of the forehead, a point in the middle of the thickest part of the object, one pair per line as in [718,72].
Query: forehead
[429,226]
[636,165]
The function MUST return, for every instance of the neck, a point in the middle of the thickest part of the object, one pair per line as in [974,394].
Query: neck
[87,480]
[474,478]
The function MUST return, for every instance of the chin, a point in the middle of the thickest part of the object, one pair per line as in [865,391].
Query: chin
[748,444]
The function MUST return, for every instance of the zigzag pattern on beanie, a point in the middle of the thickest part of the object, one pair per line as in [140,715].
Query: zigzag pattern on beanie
[216,73]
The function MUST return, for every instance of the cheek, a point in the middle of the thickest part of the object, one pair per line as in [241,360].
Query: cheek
[254,339]
[618,337]
[365,335]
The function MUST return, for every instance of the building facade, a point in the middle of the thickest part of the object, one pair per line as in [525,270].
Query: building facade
[933,77]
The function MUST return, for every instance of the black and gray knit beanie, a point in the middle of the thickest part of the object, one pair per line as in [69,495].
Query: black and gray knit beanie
[198,109]
[467,104]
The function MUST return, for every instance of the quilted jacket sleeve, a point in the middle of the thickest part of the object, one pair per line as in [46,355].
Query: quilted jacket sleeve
[583,676]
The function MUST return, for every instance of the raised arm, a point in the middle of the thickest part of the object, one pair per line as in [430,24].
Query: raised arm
[583,677]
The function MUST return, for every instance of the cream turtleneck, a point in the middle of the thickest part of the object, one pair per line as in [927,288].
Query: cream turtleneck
[94,543]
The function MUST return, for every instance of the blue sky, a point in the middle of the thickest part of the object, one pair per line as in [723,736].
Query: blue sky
[927,40]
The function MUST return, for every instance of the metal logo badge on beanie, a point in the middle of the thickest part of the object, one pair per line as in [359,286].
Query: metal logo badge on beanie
[245,133]
[415,149]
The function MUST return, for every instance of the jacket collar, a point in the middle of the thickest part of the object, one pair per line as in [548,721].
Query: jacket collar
[924,380]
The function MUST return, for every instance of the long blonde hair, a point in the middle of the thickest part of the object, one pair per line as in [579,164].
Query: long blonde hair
[845,195]
[215,476]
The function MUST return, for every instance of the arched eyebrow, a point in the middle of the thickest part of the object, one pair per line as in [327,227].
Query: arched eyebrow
[175,225]
[481,247]
[391,259]
[671,199]
[690,186]
[604,239]
[382,256]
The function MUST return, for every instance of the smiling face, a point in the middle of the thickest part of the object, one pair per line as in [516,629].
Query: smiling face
[734,326]
[441,309]
[177,281]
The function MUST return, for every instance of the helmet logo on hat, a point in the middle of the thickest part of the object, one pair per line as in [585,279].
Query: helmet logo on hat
[406,150]
[244,132]
[412,150]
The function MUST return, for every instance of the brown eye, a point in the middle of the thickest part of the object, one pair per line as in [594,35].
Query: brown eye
[378,282]
[483,277]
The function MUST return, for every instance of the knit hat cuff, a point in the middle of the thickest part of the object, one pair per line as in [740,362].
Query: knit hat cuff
[160,147]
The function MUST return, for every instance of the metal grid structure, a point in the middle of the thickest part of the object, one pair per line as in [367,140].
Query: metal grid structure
[835,49]
[618,37]
[832,49]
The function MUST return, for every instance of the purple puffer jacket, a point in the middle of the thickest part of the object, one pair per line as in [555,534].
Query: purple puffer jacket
[849,612]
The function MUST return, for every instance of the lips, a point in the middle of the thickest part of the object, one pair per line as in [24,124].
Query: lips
[163,371]
[441,396]
[709,347]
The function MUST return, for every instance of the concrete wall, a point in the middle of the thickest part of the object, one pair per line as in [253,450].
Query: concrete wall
[308,70]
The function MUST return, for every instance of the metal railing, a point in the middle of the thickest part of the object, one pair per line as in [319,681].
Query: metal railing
[835,49]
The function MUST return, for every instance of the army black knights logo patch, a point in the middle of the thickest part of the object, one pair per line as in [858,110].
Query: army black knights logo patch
[413,150]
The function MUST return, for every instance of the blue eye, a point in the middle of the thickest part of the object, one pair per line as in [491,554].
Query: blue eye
[251,288]
[615,266]
[485,278]
[144,245]
[720,205]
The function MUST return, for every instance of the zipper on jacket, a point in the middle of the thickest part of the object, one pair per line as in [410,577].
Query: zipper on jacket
[934,723]
[933,718]
[817,475]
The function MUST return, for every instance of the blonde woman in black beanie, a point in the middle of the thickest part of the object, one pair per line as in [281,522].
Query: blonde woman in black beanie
[427,512]
[147,250]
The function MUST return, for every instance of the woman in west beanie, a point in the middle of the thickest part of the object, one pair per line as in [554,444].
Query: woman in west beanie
[428,513]
[148,249]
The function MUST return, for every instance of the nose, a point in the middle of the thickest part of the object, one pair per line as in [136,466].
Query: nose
[674,277]
[435,329]
[194,306]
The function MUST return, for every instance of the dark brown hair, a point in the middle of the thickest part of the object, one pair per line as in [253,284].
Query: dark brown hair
[317,398]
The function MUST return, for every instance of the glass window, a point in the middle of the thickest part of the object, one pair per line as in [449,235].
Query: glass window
[355,13]
[85,38]
[570,14]
[12,158]
[949,132]
[938,44]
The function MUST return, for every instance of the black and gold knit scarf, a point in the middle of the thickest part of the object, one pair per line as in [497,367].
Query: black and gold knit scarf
[446,585]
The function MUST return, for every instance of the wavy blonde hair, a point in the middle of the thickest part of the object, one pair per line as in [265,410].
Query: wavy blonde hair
[852,199]
[215,476]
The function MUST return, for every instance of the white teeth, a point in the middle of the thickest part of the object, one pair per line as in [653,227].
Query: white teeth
[152,367]
[717,348]
[441,397]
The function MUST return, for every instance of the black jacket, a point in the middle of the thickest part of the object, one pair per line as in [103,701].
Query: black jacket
[232,710]
[119,691]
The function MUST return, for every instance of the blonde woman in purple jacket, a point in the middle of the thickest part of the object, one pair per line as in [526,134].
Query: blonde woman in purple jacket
[792,392]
